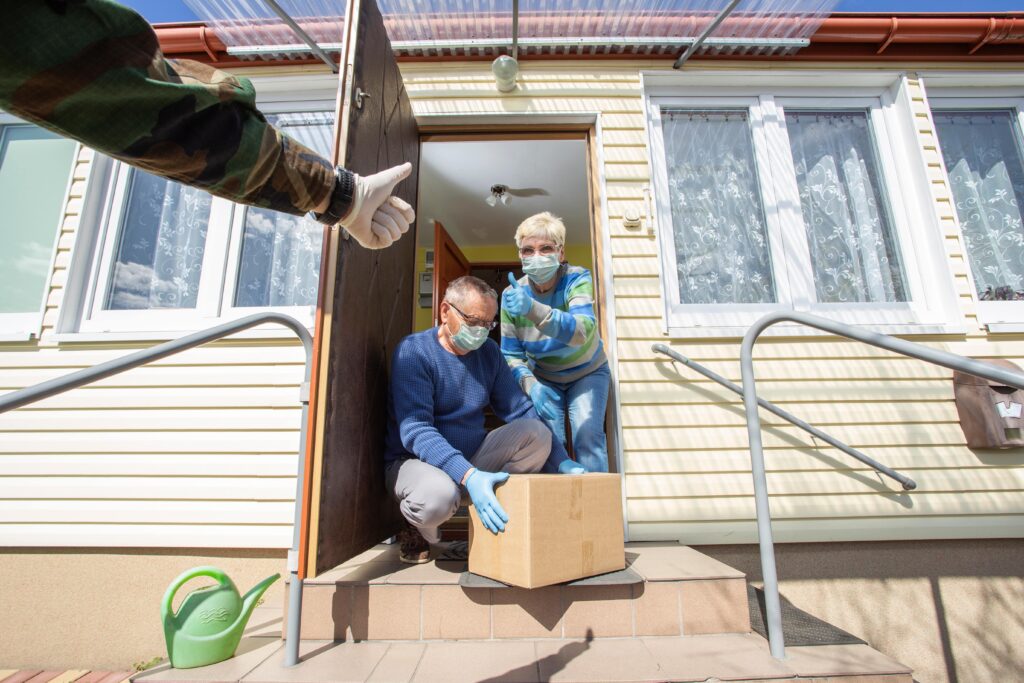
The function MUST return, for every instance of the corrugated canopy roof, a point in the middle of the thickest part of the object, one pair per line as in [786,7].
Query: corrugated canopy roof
[484,27]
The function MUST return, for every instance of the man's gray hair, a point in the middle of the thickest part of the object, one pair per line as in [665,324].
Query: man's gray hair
[460,288]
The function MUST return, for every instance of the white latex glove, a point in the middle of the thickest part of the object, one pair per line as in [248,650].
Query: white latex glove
[376,218]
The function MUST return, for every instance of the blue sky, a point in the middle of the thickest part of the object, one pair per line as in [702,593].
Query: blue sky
[157,11]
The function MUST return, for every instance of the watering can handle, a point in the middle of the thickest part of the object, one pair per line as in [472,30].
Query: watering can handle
[212,572]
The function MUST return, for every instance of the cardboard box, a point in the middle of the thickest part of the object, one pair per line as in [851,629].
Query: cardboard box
[561,527]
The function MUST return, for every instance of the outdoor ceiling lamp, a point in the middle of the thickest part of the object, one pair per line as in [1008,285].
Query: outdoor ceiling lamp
[499,193]
[505,69]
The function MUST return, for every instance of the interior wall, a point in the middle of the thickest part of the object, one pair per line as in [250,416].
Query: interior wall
[576,254]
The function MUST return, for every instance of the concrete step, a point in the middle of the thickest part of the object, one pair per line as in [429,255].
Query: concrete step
[728,657]
[376,597]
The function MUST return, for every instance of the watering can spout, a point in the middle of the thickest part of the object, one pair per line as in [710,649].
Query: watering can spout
[252,598]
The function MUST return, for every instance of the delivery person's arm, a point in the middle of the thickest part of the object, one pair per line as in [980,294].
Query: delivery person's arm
[92,70]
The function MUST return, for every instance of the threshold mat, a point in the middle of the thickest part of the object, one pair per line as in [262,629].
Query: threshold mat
[798,627]
[623,577]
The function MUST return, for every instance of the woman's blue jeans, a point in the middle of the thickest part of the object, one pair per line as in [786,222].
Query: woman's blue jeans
[586,399]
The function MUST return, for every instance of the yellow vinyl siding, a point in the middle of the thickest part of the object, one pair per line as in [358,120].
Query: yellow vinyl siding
[197,450]
[686,464]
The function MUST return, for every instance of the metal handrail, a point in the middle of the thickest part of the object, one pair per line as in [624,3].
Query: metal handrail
[58,385]
[764,523]
[906,482]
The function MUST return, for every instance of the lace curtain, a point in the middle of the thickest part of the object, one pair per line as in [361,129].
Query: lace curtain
[279,263]
[854,252]
[986,174]
[722,250]
[159,255]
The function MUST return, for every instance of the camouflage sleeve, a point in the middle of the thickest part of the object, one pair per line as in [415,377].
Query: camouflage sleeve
[92,70]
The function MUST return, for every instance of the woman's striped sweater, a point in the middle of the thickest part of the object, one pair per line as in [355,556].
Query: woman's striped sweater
[557,339]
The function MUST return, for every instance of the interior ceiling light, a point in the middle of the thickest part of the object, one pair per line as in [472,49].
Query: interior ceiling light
[499,193]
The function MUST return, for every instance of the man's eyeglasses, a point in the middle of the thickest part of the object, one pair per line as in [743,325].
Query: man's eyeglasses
[475,322]
[544,250]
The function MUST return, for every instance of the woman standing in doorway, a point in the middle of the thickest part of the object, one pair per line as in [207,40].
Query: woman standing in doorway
[550,340]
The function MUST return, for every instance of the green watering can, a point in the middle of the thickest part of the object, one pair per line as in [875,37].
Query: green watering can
[210,621]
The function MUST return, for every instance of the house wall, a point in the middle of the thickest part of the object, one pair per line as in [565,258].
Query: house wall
[198,450]
[948,609]
[684,438]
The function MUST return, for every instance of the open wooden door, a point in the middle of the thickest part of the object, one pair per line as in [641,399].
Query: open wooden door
[364,310]
[449,264]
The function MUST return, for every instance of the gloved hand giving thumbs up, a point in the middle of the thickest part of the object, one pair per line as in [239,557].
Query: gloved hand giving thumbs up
[517,301]
[376,218]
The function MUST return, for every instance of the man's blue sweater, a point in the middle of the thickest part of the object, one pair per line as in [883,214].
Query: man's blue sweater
[437,400]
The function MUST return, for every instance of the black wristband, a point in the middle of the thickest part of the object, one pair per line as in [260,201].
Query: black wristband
[341,197]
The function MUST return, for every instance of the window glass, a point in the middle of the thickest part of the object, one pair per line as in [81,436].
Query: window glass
[159,254]
[986,175]
[279,264]
[722,250]
[854,252]
[34,167]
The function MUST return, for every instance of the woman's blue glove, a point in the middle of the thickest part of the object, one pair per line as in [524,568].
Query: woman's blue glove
[517,301]
[546,401]
[480,486]
[570,467]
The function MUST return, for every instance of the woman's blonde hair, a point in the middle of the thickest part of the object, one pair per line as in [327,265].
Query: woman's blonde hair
[543,224]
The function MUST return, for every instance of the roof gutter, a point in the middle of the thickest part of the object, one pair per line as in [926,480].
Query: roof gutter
[976,37]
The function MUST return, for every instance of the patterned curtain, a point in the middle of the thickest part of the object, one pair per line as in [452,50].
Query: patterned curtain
[854,253]
[722,250]
[280,259]
[159,255]
[983,157]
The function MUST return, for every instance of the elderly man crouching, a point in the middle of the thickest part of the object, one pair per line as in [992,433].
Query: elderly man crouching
[441,381]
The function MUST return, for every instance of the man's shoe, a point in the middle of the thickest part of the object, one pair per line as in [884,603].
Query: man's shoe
[412,547]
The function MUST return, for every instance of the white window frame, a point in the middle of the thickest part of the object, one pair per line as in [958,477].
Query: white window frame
[901,171]
[980,91]
[19,327]
[215,299]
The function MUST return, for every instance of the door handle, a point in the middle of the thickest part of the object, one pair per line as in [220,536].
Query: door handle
[359,96]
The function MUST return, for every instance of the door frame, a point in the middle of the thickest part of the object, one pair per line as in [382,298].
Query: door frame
[560,126]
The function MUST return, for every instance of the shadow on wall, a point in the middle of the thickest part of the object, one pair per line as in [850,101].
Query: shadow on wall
[949,609]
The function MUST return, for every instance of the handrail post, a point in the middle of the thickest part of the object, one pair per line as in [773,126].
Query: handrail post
[883,341]
[294,627]
[773,609]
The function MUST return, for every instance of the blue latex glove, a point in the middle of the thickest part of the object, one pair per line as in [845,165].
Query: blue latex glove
[480,486]
[547,401]
[517,301]
[570,467]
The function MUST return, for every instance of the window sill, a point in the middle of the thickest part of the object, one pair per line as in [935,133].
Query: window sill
[271,331]
[792,330]
[1005,328]
[16,337]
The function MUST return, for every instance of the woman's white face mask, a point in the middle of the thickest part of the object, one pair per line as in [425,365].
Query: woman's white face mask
[540,268]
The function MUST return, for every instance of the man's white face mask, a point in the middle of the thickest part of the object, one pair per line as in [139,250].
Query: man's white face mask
[469,337]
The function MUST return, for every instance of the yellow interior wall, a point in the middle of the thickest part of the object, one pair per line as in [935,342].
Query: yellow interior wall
[576,254]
